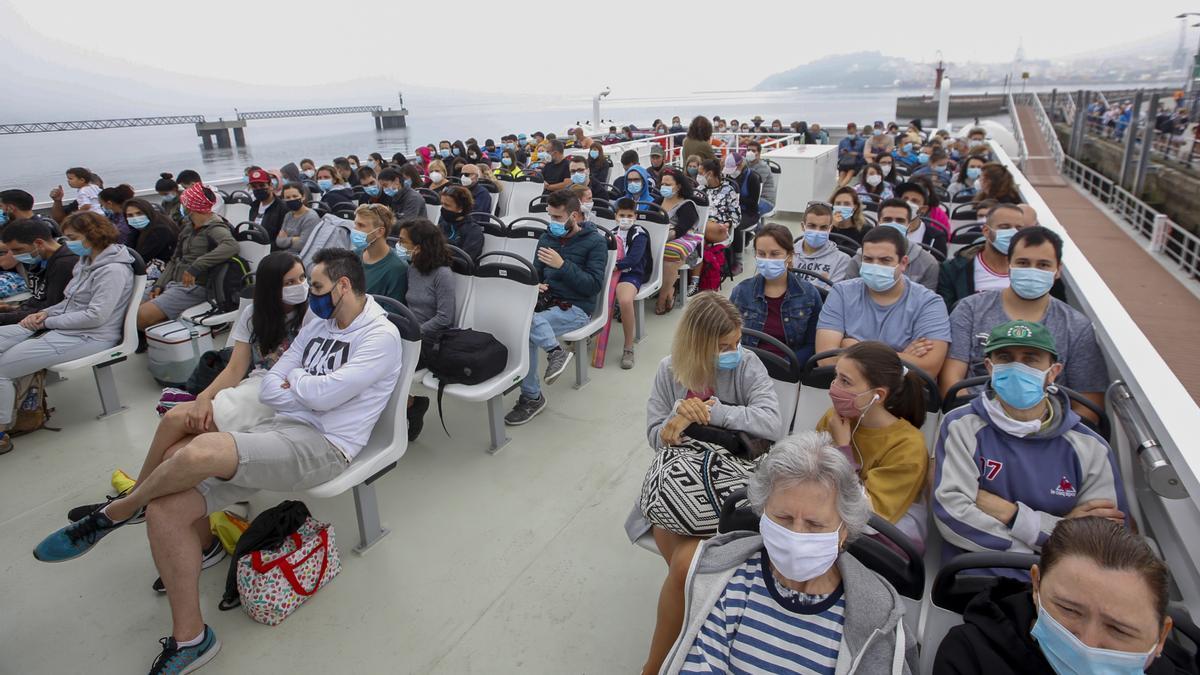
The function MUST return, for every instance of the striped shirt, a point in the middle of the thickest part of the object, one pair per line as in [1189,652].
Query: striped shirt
[757,627]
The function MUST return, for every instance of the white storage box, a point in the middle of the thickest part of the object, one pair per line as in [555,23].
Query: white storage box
[174,349]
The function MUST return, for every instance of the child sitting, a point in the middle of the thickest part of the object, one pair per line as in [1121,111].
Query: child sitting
[634,268]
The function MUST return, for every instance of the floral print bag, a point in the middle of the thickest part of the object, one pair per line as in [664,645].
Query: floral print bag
[273,583]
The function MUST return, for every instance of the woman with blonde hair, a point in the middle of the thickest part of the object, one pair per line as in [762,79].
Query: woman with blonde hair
[387,272]
[437,175]
[707,379]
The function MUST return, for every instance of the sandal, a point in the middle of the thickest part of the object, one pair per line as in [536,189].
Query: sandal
[666,309]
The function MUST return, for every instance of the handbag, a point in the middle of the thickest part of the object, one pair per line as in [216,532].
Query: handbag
[273,583]
[238,408]
[687,483]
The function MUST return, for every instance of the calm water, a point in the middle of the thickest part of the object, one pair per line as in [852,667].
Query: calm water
[36,162]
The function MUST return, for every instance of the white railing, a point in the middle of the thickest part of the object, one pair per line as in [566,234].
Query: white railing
[1022,149]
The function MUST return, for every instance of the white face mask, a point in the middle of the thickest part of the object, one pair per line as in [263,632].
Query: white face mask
[435,176]
[874,179]
[799,556]
[751,156]
[296,294]
[913,209]
[466,180]
[624,223]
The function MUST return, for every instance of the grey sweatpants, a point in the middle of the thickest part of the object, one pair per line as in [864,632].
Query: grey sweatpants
[21,354]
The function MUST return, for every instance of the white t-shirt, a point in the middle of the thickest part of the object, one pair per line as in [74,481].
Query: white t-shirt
[987,279]
[917,235]
[242,332]
[89,194]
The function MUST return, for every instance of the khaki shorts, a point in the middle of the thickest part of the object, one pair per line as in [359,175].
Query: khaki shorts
[177,298]
[281,455]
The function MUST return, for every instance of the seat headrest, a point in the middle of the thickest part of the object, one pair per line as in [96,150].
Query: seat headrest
[401,317]
[515,268]
[138,265]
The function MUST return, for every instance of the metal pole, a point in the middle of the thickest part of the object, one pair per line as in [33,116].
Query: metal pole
[1125,180]
[1053,102]
[1077,126]
[1147,141]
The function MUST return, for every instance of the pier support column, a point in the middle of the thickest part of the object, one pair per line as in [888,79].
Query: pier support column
[390,119]
[239,137]
[220,129]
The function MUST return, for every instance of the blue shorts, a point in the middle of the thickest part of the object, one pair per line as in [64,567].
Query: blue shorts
[631,278]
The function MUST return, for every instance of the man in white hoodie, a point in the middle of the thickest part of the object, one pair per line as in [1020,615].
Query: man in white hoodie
[328,390]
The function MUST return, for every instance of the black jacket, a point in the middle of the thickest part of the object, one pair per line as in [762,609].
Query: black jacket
[47,285]
[157,241]
[272,218]
[464,232]
[994,639]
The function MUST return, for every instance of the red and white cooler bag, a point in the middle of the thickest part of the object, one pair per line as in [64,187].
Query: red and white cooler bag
[273,583]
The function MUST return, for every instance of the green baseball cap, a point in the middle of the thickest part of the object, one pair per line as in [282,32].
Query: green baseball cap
[1021,334]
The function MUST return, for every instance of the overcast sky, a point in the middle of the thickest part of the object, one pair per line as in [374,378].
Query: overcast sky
[570,47]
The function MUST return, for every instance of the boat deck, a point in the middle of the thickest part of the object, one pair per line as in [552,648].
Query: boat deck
[1163,308]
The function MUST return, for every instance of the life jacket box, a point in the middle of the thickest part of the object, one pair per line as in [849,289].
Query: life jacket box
[174,349]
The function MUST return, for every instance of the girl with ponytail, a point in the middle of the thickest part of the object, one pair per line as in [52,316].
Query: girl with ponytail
[878,409]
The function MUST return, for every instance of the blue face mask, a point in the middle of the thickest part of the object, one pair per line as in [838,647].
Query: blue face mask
[78,248]
[593,153]
[391,192]
[634,187]
[1068,655]
[1030,283]
[506,161]
[902,228]
[816,239]
[27,258]
[444,152]
[922,158]
[907,149]
[579,178]
[108,212]
[879,278]
[846,212]
[3,218]
[974,172]
[138,222]
[322,305]
[667,191]
[372,190]
[557,229]
[359,240]
[455,151]
[1019,385]
[692,171]
[401,252]
[729,360]
[770,268]
[1004,239]
[407,182]
[325,184]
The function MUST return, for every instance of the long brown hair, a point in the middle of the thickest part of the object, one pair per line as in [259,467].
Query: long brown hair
[881,367]
[1000,184]
[1110,546]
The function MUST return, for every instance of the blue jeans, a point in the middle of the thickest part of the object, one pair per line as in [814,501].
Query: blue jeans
[545,329]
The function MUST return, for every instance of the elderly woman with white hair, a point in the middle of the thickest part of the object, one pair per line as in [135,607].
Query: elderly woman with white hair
[787,599]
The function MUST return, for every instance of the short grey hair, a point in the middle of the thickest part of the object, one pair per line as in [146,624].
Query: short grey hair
[811,456]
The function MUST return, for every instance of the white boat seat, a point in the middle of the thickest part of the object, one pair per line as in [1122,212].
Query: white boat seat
[785,371]
[600,314]
[659,228]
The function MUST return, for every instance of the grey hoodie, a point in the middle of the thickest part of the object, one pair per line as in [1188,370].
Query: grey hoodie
[922,268]
[874,638]
[829,261]
[95,300]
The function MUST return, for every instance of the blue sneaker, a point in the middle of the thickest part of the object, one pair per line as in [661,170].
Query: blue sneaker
[176,660]
[75,539]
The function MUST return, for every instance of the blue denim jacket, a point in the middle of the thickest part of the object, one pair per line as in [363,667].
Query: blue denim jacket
[801,308]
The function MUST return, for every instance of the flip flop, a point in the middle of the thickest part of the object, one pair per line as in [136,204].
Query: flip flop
[664,310]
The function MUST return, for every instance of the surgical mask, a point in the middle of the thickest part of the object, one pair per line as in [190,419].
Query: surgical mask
[816,239]
[309,172]
[702,181]
[799,556]
[594,154]
[26,258]
[874,179]
[899,227]
[293,204]
[455,151]
[922,157]
[261,194]
[322,305]
[407,182]
[295,294]
[588,208]
[78,248]
[506,161]
[667,191]
[729,360]
[751,156]
[325,184]
[1003,239]
[692,171]
[1068,655]
[557,229]
[879,278]
[579,178]
[402,252]
[1019,385]
[466,180]
[771,268]
[3,218]
[634,187]
[546,156]
[391,191]
[846,212]
[182,211]
[435,176]
[886,169]
[906,148]
[974,142]
[974,172]
[877,132]
[372,190]
[444,152]
[844,402]
[913,209]
[624,223]
[359,240]
[138,222]
[1030,283]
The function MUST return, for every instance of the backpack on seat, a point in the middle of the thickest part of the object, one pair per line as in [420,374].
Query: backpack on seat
[226,283]
[465,356]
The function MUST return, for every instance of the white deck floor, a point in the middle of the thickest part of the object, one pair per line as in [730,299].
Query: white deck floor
[515,562]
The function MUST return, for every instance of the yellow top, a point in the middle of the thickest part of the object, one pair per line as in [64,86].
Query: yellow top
[894,462]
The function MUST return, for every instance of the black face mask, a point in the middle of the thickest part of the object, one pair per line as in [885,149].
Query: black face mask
[261,194]
[294,204]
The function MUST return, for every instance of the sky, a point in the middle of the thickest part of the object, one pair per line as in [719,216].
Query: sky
[535,46]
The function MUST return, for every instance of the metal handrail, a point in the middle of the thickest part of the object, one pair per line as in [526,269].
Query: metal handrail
[1160,474]
[1022,149]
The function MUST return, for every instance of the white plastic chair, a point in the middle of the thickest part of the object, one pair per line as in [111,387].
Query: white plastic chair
[600,314]
[685,272]
[523,236]
[102,362]
[505,293]
[785,371]
[660,231]
[236,212]
[389,438]
[522,193]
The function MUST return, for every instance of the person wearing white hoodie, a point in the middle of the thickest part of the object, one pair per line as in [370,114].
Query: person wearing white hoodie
[817,254]
[328,390]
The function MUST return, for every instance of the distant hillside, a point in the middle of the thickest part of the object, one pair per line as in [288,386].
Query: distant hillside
[861,69]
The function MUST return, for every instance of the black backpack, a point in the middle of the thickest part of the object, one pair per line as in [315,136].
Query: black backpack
[465,356]
[226,280]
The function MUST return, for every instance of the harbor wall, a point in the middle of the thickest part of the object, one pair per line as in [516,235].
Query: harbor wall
[971,105]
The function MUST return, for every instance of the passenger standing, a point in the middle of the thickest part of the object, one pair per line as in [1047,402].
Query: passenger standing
[850,154]
[87,193]
[699,137]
